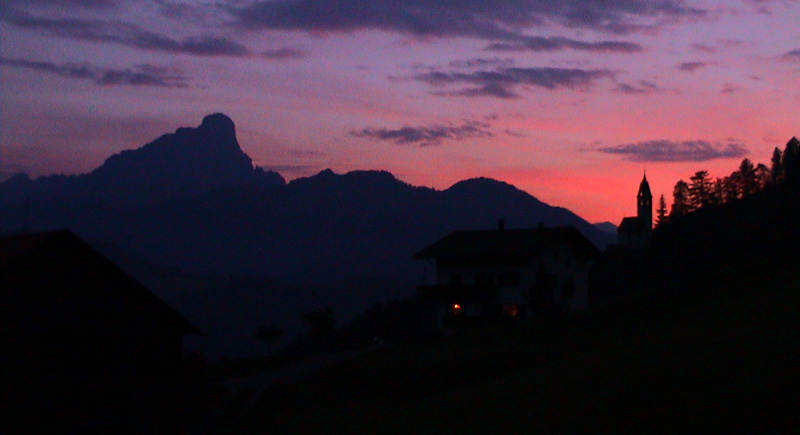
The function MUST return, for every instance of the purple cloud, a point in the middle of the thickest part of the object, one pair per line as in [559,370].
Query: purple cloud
[66,4]
[673,151]
[691,66]
[730,88]
[792,56]
[485,19]
[141,75]
[127,34]
[704,48]
[500,83]
[536,43]
[481,63]
[642,88]
[427,135]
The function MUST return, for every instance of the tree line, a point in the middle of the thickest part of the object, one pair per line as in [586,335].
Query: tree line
[703,191]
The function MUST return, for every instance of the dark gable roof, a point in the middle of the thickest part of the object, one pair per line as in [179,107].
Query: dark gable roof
[631,225]
[507,243]
[15,250]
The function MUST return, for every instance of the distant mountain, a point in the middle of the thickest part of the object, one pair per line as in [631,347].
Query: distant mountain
[606,227]
[189,161]
[192,201]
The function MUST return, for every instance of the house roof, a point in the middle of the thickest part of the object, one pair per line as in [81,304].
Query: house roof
[20,252]
[506,243]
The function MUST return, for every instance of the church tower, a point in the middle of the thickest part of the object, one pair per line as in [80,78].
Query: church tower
[644,204]
[634,232]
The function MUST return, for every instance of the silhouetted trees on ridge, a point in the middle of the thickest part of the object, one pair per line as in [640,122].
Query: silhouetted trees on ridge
[718,232]
[749,179]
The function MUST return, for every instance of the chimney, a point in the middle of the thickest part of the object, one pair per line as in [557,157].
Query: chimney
[501,224]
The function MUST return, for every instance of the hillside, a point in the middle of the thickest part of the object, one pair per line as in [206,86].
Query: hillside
[698,332]
[711,359]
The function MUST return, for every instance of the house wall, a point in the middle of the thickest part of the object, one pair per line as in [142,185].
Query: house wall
[572,276]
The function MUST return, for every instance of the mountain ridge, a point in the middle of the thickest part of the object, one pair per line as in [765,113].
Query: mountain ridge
[188,161]
[196,185]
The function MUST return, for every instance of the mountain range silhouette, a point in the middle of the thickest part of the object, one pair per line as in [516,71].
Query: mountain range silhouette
[192,201]
[189,161]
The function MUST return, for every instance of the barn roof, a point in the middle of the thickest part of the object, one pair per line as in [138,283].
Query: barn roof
[21,252]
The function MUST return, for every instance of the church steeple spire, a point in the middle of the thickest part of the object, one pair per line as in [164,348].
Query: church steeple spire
[644,203]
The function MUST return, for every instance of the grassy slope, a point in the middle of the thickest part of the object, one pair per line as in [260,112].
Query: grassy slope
[726,357]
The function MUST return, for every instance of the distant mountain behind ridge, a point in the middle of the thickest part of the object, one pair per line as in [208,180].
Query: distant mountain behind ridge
[606,227]
[193,201]
[189,161]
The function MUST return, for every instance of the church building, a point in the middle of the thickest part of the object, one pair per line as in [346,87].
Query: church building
[634,232]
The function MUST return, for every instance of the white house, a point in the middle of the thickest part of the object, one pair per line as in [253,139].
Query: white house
[486,275]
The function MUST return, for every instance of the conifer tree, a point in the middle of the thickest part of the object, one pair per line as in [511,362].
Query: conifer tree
[717,196]
[699,190]
[776,171]
[661,211]
[730,187]
[791,160]
[748,184]
[762,176]
[680,199]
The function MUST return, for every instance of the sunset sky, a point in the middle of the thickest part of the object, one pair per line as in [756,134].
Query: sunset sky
[569,100]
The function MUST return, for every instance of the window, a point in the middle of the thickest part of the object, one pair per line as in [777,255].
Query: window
[456,310]
[511,310]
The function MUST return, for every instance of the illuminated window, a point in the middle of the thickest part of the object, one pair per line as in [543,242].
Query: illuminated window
[457,310]
[511,310]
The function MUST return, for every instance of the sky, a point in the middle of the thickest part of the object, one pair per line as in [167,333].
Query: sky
[569,100]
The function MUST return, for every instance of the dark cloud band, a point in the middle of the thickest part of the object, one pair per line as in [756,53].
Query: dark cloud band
[486,19]
[672,151]
[792,56]
[500,83]
[127,34]
[536,43]
[691,66]
[427,135]
[642,88]
[141,75]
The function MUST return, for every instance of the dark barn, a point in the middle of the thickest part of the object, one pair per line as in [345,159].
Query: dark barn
[80,336]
